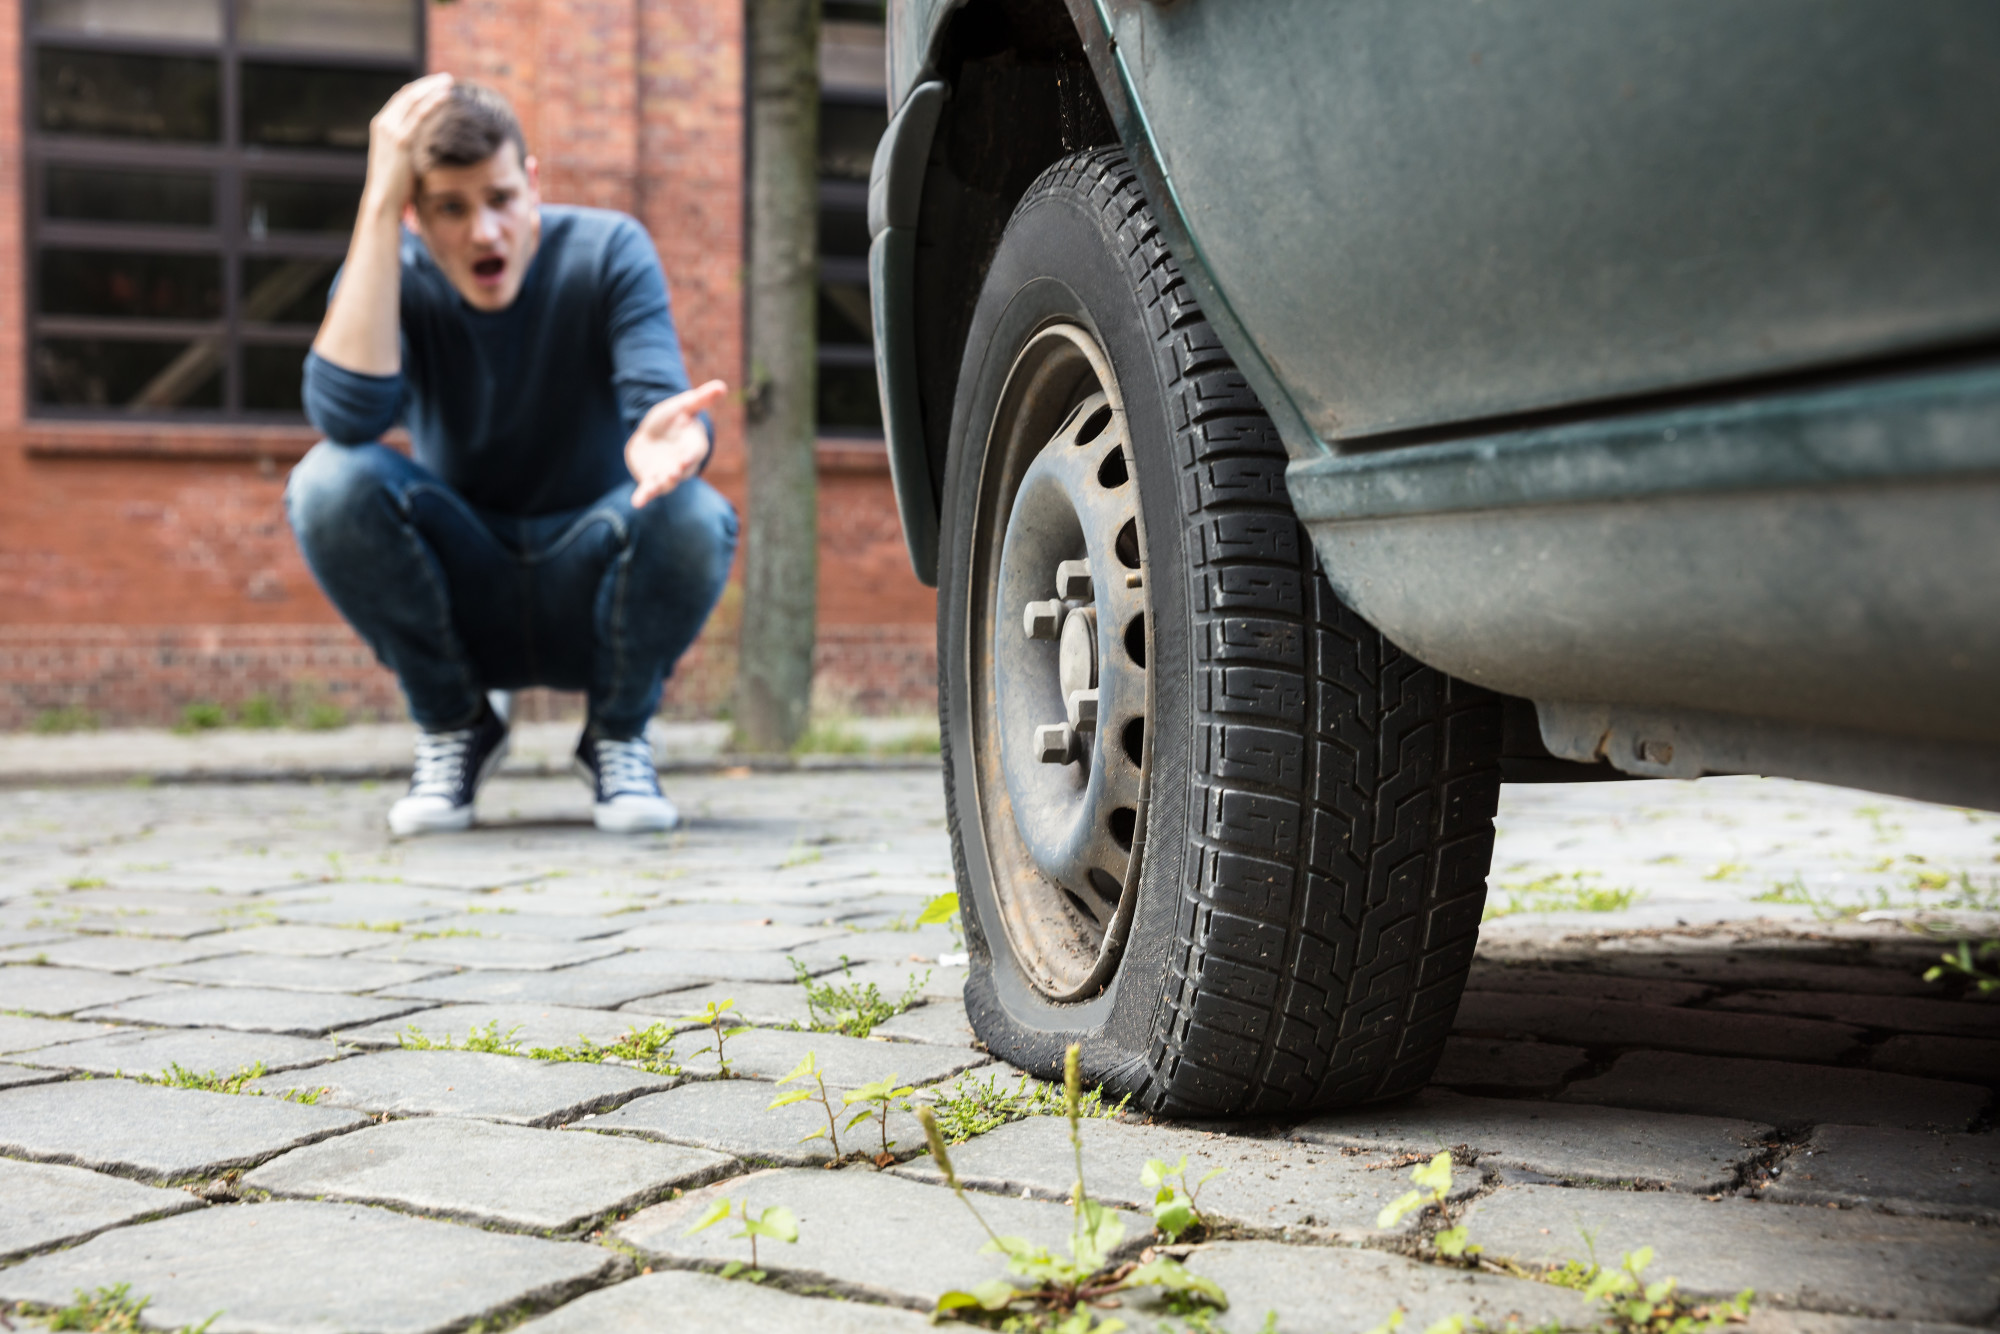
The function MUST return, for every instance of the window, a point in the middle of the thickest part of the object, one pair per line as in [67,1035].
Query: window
[852,116]
[193,172]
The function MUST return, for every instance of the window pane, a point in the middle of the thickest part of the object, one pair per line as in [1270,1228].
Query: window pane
[175,20]
[302,106]
[271,376]
[286,291]
[843,314]
[847,137]
[119,373]
[851,57]
[129,97]
[274,205]
[847,399]
[843,231]
[157,198]
[109,282]
[372,27]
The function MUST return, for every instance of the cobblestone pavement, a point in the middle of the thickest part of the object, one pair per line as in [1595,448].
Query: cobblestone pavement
[1698,1025]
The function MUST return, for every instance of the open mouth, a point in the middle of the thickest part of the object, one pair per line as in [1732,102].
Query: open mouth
[488,268]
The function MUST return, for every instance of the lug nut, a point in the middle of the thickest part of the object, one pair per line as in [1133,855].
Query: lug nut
[1043,620]
[1073,580]
[1056,743]
[1082,706]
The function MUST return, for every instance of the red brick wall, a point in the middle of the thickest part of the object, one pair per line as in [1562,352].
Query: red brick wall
[144,568]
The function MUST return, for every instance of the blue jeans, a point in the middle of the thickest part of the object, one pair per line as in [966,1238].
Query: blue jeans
[457,601]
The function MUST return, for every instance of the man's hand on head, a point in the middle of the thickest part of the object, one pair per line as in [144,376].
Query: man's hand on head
[670,444]
[392,141]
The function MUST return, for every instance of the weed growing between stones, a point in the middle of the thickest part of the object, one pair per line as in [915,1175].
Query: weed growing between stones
[851,1011]
[970,1107]
[881,1097]
[1970,964]
[111,1310]
[480,1037]
[1927,890]
[710,1018]
[650,1049]
[213,1081]
[810,1068]
[1561,893]
[1062,1294]
[776,1222]
[1629,1304]
[1174,1210]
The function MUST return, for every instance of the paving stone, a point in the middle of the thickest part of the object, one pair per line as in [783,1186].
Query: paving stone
[300,973]
[513,925]
[1270,1185]
[51,1205]
[481,1172]
[919,947]
[292,939]
[932,981]
[13,1076]
[122,954]
[1772,1320]
[943,1022]
[18,1032]
[164,925]
[1564,1141]
[472,1084]
[156,1133]
[319,1267]
[1490,976]
[751,935]
[735,1116]
[1586,1022]
[488,952]
[1975,1060]
[706,965]
[1779,1092]
[1902,1171]
[583,986]
[530,1025]
[1740,971]
[782,914]
[1313,1289]
[13,938]
[1825,1259]
[375,904]
[1908,1014]
[771,1053]
[59,991]
[153,1052]
[689,1302]
[254,1010]
[1493,1065]
[861,1233]
[756,1002]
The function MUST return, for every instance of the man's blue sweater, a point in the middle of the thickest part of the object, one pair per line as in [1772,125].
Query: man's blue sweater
[524,410]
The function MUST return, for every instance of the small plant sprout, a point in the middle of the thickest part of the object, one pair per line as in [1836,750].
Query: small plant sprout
[1174,1210]
[809,1068]
[1433,1181]
[776,1222]
[882,1097]
[650,1049]
[1634,1306]
[711,1018]
[1059,1294]
[111,1311]
[1970,964]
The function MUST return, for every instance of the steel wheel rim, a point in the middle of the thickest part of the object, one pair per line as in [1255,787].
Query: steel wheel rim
[1060,674]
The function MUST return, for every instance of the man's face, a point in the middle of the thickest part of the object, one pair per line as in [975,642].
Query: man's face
[482,224]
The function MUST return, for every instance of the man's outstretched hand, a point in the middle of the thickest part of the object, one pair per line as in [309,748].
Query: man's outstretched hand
[671,442]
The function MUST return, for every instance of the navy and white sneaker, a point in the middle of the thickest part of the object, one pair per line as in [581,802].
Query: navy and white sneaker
[449,769]
[627,787]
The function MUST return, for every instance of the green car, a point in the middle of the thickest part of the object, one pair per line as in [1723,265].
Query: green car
[1314,413]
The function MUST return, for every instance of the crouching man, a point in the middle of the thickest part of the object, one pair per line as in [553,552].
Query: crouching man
[551,529]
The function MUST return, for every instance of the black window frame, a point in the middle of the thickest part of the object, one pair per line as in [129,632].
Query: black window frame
[230,164]
[850,198]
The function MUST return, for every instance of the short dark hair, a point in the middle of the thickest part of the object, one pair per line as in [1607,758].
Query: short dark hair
[467,129]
